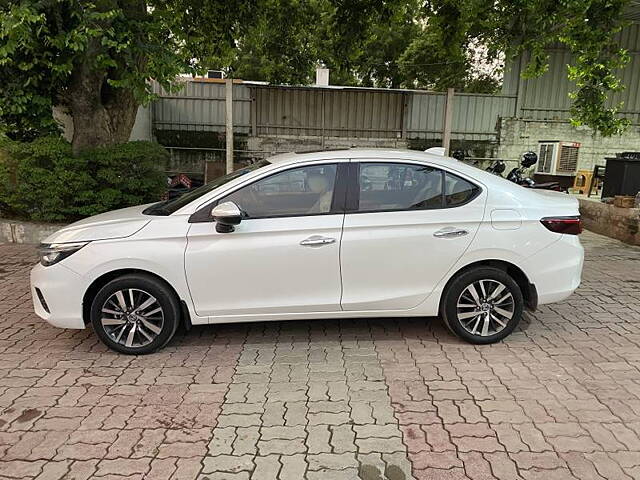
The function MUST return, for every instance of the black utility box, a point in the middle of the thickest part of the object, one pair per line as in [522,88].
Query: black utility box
[622,175]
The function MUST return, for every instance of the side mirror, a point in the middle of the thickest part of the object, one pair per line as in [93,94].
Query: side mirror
[226,215]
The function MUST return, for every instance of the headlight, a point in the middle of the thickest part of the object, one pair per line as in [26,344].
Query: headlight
[51,254]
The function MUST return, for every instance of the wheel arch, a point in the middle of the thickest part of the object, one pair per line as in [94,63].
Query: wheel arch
[105,278]
[529,292]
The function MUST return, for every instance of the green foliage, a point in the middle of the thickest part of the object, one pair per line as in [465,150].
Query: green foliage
[57,52]
[42,181]
[277,44]
[439,44]
[371,43]
[598,58]
[588,28]
[100,55]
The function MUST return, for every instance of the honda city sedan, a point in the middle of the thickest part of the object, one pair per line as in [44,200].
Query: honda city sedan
[319,235]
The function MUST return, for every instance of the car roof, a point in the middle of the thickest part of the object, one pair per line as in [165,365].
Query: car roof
[371,153]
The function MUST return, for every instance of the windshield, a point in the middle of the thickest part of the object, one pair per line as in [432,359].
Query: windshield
[167,207]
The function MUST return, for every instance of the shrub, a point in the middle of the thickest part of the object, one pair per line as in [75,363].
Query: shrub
[42,181]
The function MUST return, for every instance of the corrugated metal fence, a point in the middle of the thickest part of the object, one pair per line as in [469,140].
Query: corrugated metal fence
[547,97]
[329,112]
[199,106]
[474,115]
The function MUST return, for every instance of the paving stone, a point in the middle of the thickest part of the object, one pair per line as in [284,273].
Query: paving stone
[222,441]
[282,432]
[266,467]
[382,445]
[318,439]
[325,418]
[346,474]
[332,461]
[228,463]
[281,447]
[293,467]
[123,466]
[558,399]
[379,431]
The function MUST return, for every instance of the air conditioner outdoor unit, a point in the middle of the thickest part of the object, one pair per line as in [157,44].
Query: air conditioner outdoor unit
[557,158]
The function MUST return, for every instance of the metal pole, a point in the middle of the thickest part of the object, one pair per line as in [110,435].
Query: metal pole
[520,88]
[322,120]
[229,122]
[448,120]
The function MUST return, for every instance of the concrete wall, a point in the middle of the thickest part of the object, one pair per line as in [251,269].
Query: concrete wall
[516,136]
[142,129]
[291,143]
[15,231]
[620,223]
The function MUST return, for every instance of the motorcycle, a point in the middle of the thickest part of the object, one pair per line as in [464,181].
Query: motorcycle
[519,175]
[497,167]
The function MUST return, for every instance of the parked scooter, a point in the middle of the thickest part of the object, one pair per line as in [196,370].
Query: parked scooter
[519,175]
[497,167]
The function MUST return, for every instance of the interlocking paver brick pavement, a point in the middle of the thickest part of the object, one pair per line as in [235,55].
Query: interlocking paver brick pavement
[388,399]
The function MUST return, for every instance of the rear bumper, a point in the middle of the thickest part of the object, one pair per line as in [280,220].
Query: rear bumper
[556,271]
[59,300]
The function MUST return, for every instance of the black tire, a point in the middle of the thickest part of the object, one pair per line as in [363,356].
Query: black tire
[140,284]
[458,285]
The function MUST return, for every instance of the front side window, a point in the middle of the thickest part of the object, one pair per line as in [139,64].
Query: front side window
[167,207]
[399,186]
[298,191]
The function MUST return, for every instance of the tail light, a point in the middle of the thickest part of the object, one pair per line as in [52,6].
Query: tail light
[568,225]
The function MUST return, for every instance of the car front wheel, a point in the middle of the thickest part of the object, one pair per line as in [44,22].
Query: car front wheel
[135,314]
[483,305]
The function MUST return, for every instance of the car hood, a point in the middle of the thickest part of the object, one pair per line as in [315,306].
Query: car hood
[115,224]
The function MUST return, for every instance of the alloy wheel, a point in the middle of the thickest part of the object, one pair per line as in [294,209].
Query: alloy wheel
[132,317]
[485,307]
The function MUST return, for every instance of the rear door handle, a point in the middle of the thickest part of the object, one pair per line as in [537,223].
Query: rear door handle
[317,240]
[450,232]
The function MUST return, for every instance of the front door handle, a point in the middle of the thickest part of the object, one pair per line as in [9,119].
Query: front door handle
[450,232]
[317,240]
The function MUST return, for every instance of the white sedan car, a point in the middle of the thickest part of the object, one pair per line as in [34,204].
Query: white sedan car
[332,234]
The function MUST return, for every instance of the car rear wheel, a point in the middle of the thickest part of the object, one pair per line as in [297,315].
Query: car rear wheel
[135,314]
[482,305]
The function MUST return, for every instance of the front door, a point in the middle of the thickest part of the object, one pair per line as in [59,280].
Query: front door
[284,255]
[406,226]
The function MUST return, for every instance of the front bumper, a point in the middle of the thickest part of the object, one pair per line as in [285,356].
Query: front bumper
[62,291]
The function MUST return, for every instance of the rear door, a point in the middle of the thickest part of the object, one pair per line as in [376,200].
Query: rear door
[406,225]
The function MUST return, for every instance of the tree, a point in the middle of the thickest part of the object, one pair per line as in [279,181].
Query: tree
[588,28]
[95,59]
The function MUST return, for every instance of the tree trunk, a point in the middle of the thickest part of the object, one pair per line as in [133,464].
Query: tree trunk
[101,115]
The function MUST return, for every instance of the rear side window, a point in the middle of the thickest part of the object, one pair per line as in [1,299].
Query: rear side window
[403,186]
[458,191]
[398,186]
